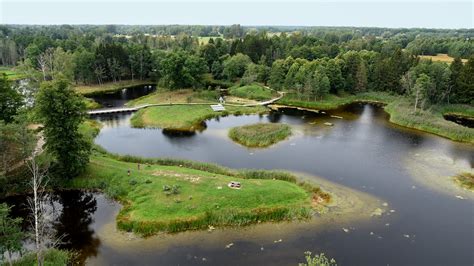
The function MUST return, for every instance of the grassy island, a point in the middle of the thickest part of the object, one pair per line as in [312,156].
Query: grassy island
[174,195]
[260,134]
[465,180]
[185,117]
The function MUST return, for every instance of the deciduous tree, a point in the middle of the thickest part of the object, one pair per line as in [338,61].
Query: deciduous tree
[62,110]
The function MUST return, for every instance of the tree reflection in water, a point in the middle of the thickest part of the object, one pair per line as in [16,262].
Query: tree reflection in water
[73,224]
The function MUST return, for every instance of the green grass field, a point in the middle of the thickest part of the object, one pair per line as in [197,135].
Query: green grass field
[260,134]
[254,92]
[89,90]
[172,196]
[185,117]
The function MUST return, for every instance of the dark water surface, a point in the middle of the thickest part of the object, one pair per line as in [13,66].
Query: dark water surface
[362,151]
[119,98]
[463,121]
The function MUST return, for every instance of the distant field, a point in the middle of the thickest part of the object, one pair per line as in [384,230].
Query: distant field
[11,73]
[441,58]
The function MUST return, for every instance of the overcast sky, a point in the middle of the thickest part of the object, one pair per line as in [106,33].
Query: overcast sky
[381,13]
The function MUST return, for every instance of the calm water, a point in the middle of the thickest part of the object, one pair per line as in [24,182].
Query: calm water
[362,151]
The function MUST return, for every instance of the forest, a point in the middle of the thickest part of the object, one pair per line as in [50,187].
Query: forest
[311,62]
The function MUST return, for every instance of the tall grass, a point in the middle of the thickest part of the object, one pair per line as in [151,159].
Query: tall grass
[228,217]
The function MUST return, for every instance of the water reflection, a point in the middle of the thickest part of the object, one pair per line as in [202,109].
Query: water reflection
[74,213]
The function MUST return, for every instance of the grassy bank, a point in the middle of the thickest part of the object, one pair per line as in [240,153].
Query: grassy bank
[253,92]
[401,112]
[465,180]
[260,134]
[185,117]
[431,121]
[174,195]
[89,90]
[176,96]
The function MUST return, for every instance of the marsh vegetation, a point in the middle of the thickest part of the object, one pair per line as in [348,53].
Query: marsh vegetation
[260,135]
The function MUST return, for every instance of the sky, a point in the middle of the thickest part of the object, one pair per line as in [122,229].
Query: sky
[381,13]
